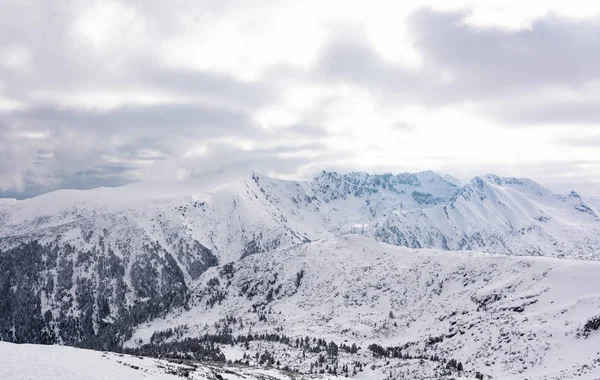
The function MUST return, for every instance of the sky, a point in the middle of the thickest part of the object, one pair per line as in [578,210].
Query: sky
[104,93]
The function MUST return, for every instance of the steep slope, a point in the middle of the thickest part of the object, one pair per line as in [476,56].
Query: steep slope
[504,215]
[79,265]
[380,194]
[504,316]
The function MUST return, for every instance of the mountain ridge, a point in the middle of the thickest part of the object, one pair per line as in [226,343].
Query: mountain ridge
[354,199]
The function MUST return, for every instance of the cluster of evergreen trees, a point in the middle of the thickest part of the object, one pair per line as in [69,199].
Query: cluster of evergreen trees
[299,277]
[396,353]
[85,292]
[592,324]
[453,363]
[204,348]
[334,368]
[161,336]
[214,294]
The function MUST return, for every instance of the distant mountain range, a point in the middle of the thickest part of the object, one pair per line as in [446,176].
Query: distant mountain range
[237,216]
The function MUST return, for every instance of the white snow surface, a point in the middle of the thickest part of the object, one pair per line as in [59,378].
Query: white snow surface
[35,362]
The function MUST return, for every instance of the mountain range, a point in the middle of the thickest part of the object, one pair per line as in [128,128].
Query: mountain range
[419,263]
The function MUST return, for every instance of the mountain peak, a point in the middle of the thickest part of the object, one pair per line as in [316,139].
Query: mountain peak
[386,179]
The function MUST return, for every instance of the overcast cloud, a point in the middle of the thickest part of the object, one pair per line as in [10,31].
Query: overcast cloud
[103,93]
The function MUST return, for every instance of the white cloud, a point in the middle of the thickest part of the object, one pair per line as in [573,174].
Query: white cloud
[7,104]
[245,41]
[16,58]
[106,25]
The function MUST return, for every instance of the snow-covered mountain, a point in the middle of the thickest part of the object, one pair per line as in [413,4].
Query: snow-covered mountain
[503,316]
[90,267]
[392,312]
[233,217]
[503,215]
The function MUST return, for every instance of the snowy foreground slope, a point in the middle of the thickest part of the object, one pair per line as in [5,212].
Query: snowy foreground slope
[35,362]
[503,316]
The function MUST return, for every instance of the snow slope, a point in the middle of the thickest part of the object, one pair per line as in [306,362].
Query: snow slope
[508,317]
[503,215]
[35,362]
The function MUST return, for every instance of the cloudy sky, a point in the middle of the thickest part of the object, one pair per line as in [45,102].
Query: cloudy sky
[103,93]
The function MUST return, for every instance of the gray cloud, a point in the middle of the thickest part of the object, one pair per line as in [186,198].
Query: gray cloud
[577,113]
[219,87]
[553,51]
[557,175]
[487,66]
[351,59]
[403,127]
[581,141]
[183,118]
